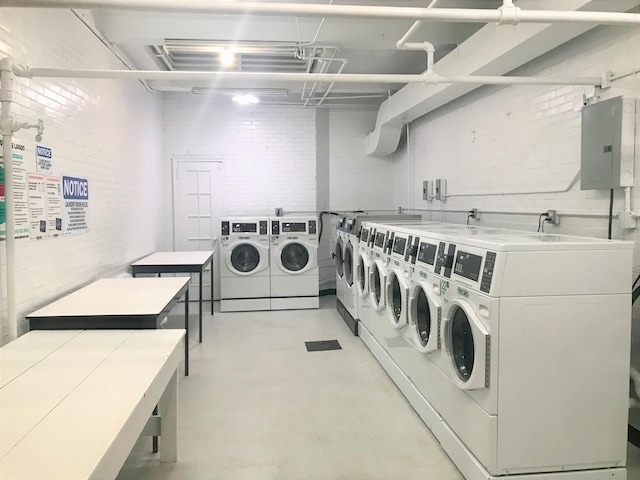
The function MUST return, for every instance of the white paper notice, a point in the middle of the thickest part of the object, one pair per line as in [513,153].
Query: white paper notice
[20,194]
[54,206]
[37,205]
[44,159]
[75,192]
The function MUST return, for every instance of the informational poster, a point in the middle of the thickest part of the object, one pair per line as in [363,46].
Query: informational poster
[53,190]
[37,205]
[20,193]
[75,193]
[44,159]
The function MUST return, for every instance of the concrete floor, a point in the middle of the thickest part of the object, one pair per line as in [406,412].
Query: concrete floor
[258,406]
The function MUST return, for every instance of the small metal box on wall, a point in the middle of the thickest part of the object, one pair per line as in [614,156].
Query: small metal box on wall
[608,144]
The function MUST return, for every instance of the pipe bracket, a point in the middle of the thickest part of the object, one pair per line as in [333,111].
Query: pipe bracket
[509,14]
[606,79]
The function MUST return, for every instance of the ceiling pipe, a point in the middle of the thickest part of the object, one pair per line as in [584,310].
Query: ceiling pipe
[428,78]
[330,87]
[413,29]
[508,14]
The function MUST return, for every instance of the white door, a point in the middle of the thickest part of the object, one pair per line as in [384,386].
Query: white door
[198,199]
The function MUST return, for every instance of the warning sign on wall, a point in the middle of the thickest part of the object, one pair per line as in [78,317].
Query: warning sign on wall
[37,205]
[54,206]
[44,159]
[75,195]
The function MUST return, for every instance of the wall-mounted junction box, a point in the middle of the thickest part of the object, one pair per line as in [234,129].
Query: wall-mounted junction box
[440,188]
[427,190]
[608,144]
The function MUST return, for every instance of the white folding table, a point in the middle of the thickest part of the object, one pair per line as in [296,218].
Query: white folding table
[117,303]
[74,402]
[179,262]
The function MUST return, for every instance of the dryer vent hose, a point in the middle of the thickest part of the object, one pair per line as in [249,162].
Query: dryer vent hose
[322,223]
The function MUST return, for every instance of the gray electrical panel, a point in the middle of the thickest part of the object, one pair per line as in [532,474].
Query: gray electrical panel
[608,137]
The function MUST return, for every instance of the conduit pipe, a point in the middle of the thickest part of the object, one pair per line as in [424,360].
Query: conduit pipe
[402,43]
[7,128]
[562,213]
[510,15]
[627,203]
[330,87]
[517,192]
[424,78]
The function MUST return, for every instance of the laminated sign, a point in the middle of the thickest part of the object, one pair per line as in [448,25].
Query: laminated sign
[75,196]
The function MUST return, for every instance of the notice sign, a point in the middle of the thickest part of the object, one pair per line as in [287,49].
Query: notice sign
[54,206]
[37,206]
[20,193]
[44,159]
[75,194]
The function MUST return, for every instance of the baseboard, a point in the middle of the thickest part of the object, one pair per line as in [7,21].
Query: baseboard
[328,291]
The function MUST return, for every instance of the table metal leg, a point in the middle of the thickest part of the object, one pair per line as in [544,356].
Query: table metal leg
[200,306]
[169,421]
[211,267]
[186,337]
[155,438]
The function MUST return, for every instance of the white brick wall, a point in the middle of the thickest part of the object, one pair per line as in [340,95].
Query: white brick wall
[526,138]
[108,131]
[357,181]
[269,151]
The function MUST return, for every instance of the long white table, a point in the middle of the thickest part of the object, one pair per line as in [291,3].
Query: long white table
[74,402]
[116,303]
[179,262]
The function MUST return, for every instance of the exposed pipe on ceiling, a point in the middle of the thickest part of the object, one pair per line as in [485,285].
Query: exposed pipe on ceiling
[405,38]
[428,78]
[507,14]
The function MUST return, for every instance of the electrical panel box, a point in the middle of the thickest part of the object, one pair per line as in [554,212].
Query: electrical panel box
[427,190]
[608,144]
[440,188]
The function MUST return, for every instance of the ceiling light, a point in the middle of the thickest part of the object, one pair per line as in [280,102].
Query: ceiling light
[246,99]
[230,91]
[227,58]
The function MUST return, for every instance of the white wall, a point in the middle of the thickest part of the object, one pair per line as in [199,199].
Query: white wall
[527,138]
[108,131]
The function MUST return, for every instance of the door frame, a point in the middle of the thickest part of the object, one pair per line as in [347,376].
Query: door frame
[175,159]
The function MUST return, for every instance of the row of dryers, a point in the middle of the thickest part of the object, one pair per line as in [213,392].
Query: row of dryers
[513,347]
[268,263]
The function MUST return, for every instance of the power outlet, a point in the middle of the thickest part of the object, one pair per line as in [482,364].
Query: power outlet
[440,188]
[553,217]
[474,213]
[279,212]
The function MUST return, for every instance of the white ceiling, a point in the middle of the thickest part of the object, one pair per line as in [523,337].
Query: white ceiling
[368,46]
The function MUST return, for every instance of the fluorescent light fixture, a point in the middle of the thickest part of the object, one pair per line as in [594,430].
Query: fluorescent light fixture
[246,99]
[261,92]
[227,58]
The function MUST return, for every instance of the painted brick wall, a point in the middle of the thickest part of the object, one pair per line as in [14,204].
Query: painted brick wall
[269,152]
[108,131]
[526,139]
[357,181]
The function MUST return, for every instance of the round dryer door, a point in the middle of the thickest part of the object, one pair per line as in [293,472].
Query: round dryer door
[362,273]
[397,293]
[244,258]
[294,257]
[339,258]
[425,317]
[348,263]
[466,341]
[377,284]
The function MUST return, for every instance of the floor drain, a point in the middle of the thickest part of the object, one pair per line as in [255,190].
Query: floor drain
[322,345]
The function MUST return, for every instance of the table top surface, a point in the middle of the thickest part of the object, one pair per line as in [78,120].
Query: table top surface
[175,258]
[66,395]
[116,297]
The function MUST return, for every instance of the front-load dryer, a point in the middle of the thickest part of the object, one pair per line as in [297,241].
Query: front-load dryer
[244,264]
[294,263]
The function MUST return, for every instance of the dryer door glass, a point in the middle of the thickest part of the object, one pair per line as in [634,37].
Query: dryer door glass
[348,263]
[423,317]
[339,260]
[361,274]
[377,284]
[245,258]
[462,346]
[396,298]
[294,257]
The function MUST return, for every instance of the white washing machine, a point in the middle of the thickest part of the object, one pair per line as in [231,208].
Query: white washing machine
[535,346]
[349,229]
[244,264]
[294,263]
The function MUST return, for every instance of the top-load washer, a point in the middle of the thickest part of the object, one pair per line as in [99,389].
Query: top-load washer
[535,347]
[295,282]
[348,239]
[244,264]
